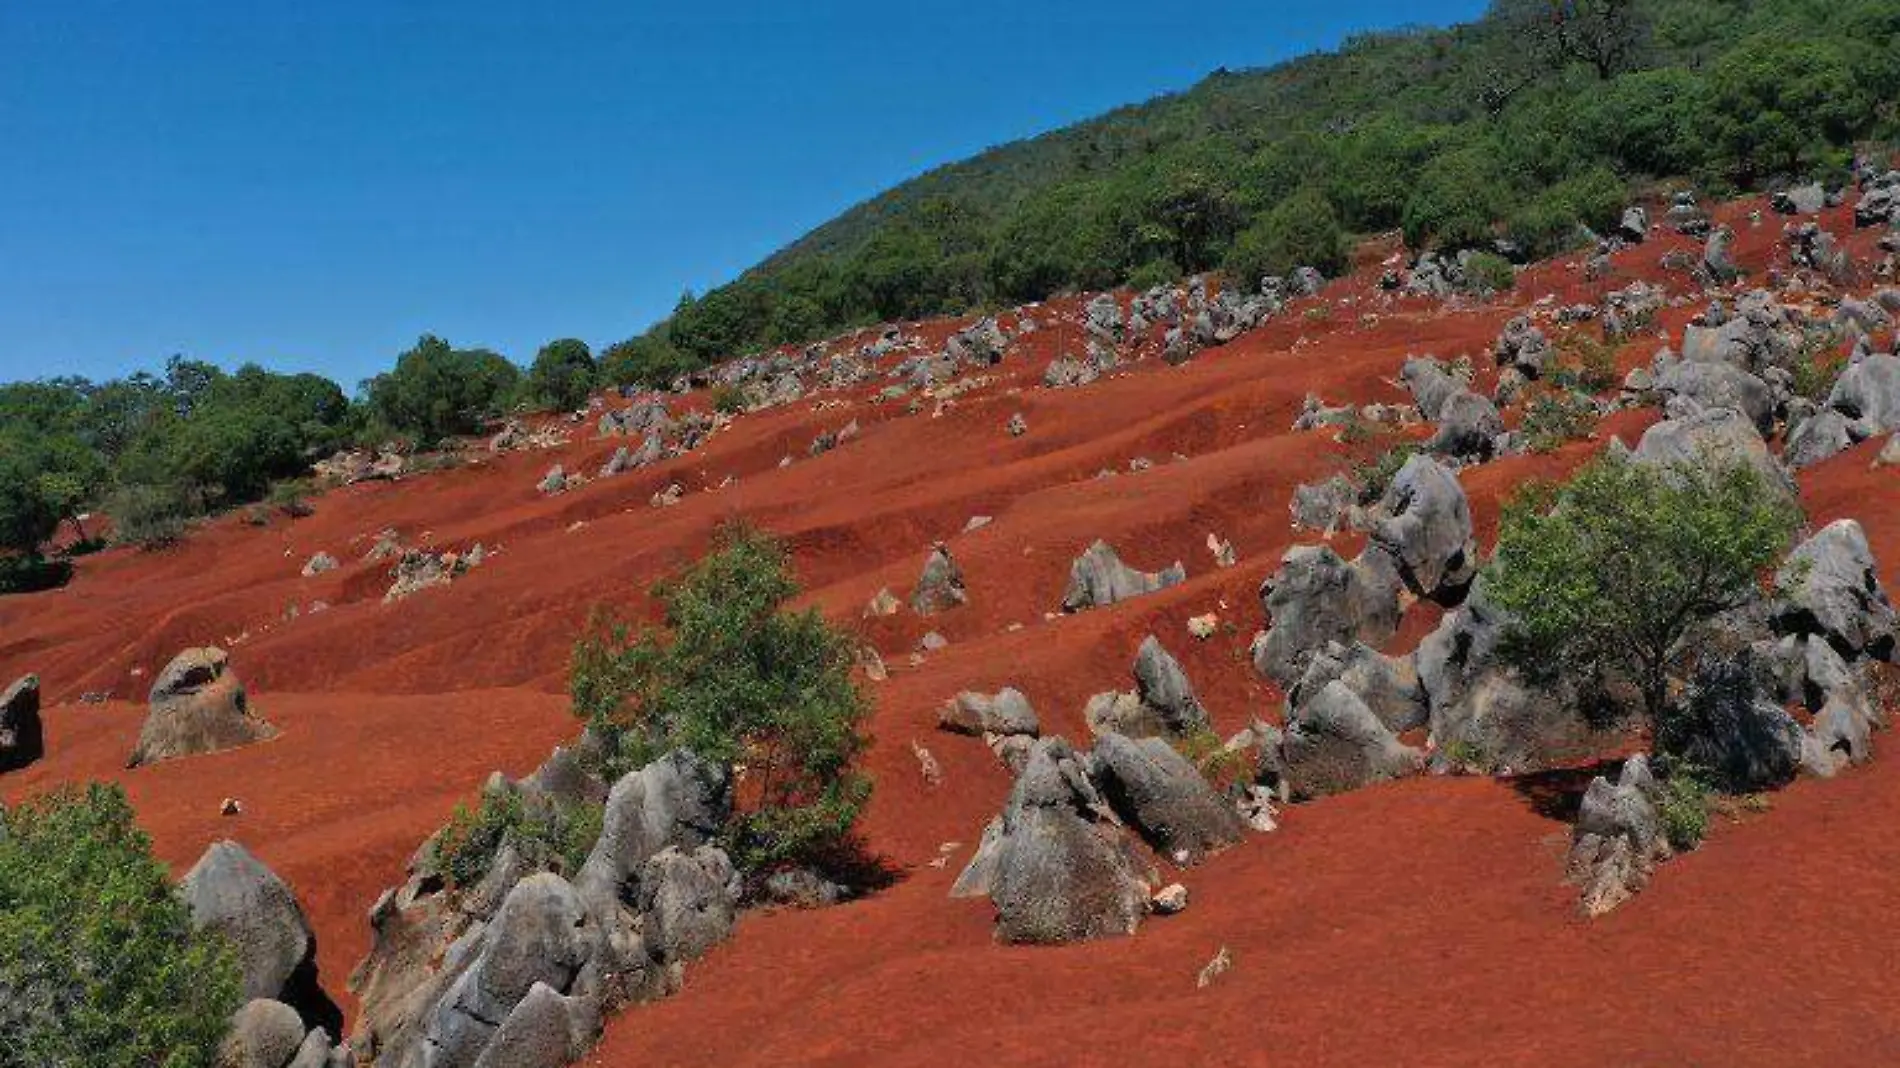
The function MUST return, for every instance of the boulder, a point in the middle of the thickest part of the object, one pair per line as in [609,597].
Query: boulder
[1522,346]
[1468,426]
[1315,598]
[1005,712]
[1868,394]
[1389,685]
[1323,506]
[1423,524]
[680,800]
[1634,227]
[233,893]
[940,587]
[1718,259]
[1055,863]
[1156,790]
[1720,385]
[1501,722]
[1819,437]
[1164,688]
[197,705]
[263,1034]
[1099,578]
[690,900]
[1333,743]
[22,737]
[1829,587]
[319,564]
[1801,200]
[545,1029]
[1430,383]
[1719,435]
[1618,838]
[1729,728]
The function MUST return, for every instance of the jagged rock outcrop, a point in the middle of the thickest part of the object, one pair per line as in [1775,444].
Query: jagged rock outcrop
[451,979]
[1714,435]
[1162,795]
[1163,701]
[1730,729]
[1005,712]
[1056,863]
[1868,394]
[1389,685]
[1098,578]
[1430,383]
[1323,506]
[1468,426]
[940,587]
[1523,347]
[1716,384]
[22,736]
[1829,587]
[1333,743]
[197,705]
[1618,839]
[1423,524]
[1316,598]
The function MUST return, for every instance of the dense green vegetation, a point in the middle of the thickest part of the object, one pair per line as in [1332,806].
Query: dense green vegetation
[1540,116]
[1610,574]
[737,678]
[99,965]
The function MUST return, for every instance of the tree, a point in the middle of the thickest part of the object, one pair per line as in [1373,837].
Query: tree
[737,678]
[436,391]
[99,964]
[649,360]
[1612,571]
[1300,231]
[45,479]
[1606,34]
[1780,103]
[1455,200]
[562,375]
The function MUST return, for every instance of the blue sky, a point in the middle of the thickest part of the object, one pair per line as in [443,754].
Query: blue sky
[311,186]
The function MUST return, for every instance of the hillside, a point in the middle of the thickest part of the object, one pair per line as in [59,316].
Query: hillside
[1537,118]
[1423,919]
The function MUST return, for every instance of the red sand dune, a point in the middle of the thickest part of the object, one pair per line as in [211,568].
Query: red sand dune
[1419,923]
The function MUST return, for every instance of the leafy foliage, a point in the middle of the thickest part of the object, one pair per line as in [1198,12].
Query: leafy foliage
[1301,231]
[1684,808]
[1555,417]
[547,833]
[1612,571]
[435,391]
[562,376]
[99,965]
[737,678]
[1532,121]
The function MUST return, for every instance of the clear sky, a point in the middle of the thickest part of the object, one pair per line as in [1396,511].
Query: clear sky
[313,185]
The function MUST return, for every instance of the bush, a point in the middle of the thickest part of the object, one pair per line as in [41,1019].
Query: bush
[1487,272]
[1551,419]
[1154,273]
[562,375]
[738,679]
[727,398]
[1684,808]
[1454,201]
[1375,476]
[435,391]
[649,361]
[1585,363]
[292,497]
[1301,231]
[149,517]
[1612,571]
[99,964]
[550,834]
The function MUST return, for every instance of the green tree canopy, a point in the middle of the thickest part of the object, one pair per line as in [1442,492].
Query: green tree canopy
[562,375]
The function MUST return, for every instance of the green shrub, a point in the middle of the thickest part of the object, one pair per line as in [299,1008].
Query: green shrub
[1455,200]
[1488,272]
[1612,571]
[1553,418]
[737,678]
[1684,808]
[727,398]
[1154,273]
[99,964]
[149,517]
[1818,364]
[562,376]
[649,361]
[291,496]
[435,391]
[1585,363]
[1300,231]
[548,834]
[1374,476]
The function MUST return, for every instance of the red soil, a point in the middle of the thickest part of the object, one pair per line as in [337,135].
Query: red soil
[1421,922]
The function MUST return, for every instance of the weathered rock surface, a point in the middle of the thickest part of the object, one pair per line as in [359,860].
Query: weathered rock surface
[1005,712]
[940,587]
[1334,743]
[1164,797]
[233,893]
[1423,523]
[197,706]
[1099,578]
[1618,839]
[1316,598]
[22,736]
[1830,587]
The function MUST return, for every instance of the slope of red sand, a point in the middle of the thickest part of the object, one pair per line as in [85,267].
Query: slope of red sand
[1418,923]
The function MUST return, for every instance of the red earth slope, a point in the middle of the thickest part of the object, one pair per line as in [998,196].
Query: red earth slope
[1417,923]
